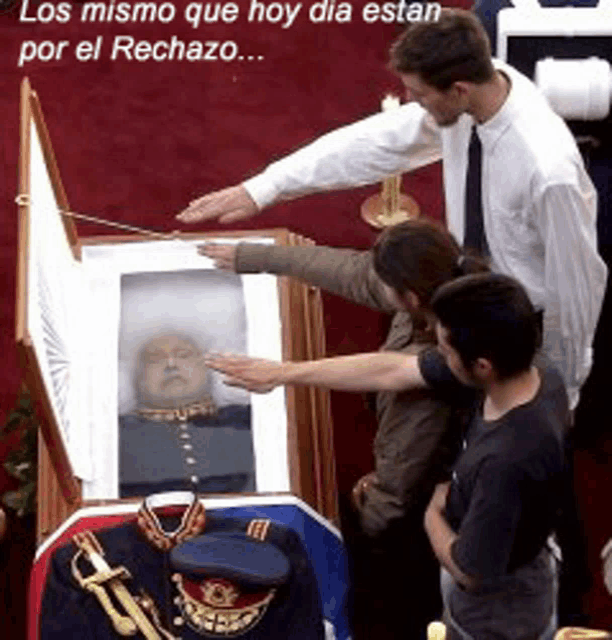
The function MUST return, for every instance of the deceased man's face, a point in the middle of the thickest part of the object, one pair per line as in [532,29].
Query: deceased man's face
[171,372]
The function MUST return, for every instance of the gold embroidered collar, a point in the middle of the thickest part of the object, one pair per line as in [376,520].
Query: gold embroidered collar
[205,407]
[191,525]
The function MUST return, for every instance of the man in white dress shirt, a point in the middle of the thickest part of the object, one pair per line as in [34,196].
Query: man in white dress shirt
[539,204]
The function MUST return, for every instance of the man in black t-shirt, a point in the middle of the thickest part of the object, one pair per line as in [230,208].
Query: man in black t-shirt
[489,525]
[500,507]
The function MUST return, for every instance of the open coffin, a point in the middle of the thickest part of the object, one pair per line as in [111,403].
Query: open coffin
[86,306]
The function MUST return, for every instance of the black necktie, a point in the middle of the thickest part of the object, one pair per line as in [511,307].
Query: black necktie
[474,237]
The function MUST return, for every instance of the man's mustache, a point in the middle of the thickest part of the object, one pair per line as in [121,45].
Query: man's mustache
[173,377]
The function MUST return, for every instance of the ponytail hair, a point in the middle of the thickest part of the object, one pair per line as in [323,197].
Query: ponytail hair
[421,255]
[468,263]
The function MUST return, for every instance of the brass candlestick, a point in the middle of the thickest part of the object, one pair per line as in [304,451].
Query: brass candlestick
[390,206]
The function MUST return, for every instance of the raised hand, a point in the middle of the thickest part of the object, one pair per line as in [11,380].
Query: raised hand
[253,374]
[223,255]
[229,205]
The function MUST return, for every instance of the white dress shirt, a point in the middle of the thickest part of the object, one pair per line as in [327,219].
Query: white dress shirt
[539,204]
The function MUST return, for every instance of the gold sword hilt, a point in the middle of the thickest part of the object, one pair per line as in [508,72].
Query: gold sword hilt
[104,577]
[124,625]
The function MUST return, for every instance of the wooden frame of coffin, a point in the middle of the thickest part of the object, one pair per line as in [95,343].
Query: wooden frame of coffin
[58,302]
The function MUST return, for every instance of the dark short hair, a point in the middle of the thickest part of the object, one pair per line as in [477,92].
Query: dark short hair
[454,48]
[490,316]
[420,255]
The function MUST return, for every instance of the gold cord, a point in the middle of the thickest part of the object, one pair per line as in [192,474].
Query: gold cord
[124,227]
[23,200]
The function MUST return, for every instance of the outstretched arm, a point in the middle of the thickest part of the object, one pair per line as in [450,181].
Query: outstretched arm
[362,153]
[379,371]
[344,272]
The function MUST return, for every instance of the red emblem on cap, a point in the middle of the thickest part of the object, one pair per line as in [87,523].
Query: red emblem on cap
[218,608]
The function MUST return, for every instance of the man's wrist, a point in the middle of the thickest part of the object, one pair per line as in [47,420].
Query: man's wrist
[290,372]
[261,190]
[251,257]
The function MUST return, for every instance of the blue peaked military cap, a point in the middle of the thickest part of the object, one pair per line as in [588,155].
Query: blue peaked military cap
[233,556]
